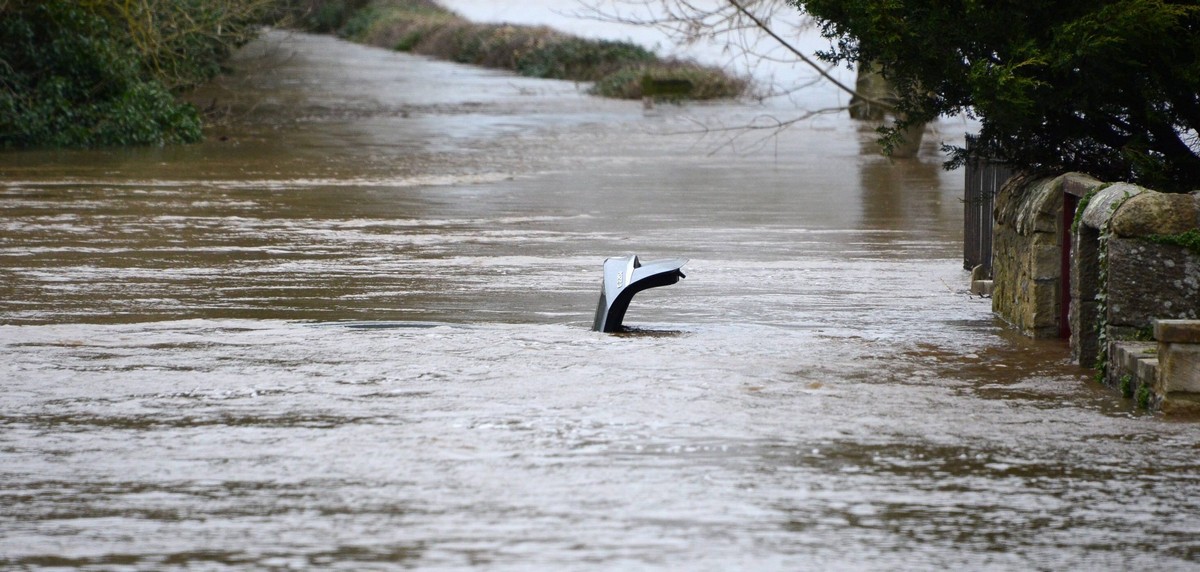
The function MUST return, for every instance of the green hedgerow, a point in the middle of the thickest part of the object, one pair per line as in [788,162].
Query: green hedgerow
[71,82]
[105,72]
[704,83]
[580,59]
[617,67]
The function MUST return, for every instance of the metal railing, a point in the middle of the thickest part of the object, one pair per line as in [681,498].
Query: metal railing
[983,180]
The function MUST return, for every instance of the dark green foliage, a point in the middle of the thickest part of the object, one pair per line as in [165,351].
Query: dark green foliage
[329,16]
[350,25]
[624,84]
[1102,86]
[704,83]
[576,58]
[1189,240]
[105,72]
[1144,396]
[69,81]
[1127,386]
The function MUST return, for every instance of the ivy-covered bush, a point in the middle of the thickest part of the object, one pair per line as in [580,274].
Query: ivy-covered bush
[104,72]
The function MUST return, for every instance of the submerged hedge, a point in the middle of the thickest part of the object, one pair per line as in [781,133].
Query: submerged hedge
[617,68]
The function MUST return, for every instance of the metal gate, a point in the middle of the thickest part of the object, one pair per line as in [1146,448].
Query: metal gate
[983,180]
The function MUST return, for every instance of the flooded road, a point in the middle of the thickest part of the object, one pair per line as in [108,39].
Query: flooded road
[350,331]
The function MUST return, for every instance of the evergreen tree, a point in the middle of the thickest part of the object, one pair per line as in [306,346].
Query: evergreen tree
[1109,87]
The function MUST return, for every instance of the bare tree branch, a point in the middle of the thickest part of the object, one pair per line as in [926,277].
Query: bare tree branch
[825,74]
[754,32]
[758,131]
[742,23]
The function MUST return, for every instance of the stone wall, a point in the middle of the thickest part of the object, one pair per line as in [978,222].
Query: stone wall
[1146,279]
[1143,278]
[1027,243]
[1126,279]
[1123,275]
[1087,288]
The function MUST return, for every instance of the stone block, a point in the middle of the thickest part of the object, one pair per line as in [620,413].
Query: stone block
[1126,355]
[981,287]
[1184,404]
[1013,199]
[1047,262]
[1044,238]
[1085,264]
[1100,207]
[1146,371]
[1030,206]
[1156,213]
[978,273]
[1148,281]
[1084,342]
[1041,208]
[1123,333]
[1078,184]
[1184,331]
[1045,295]
[1138,360]
[1179,368]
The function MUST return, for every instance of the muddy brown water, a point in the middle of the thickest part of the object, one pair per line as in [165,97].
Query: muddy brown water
[351,331]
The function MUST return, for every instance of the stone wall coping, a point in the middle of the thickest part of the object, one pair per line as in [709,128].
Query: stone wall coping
[1177,331]
[1079,184]
[1100,208]
[1036,211]
[1013,198]
[1151,213]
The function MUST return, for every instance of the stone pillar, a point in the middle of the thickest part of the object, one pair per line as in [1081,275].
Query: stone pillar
[1086,288]
[872,85]
[1178,383]
[1084,313]
[1027,255]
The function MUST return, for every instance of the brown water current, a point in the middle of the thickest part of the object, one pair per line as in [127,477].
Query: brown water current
[350,331]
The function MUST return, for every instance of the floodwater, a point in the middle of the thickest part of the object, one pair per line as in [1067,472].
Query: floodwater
[350,331]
